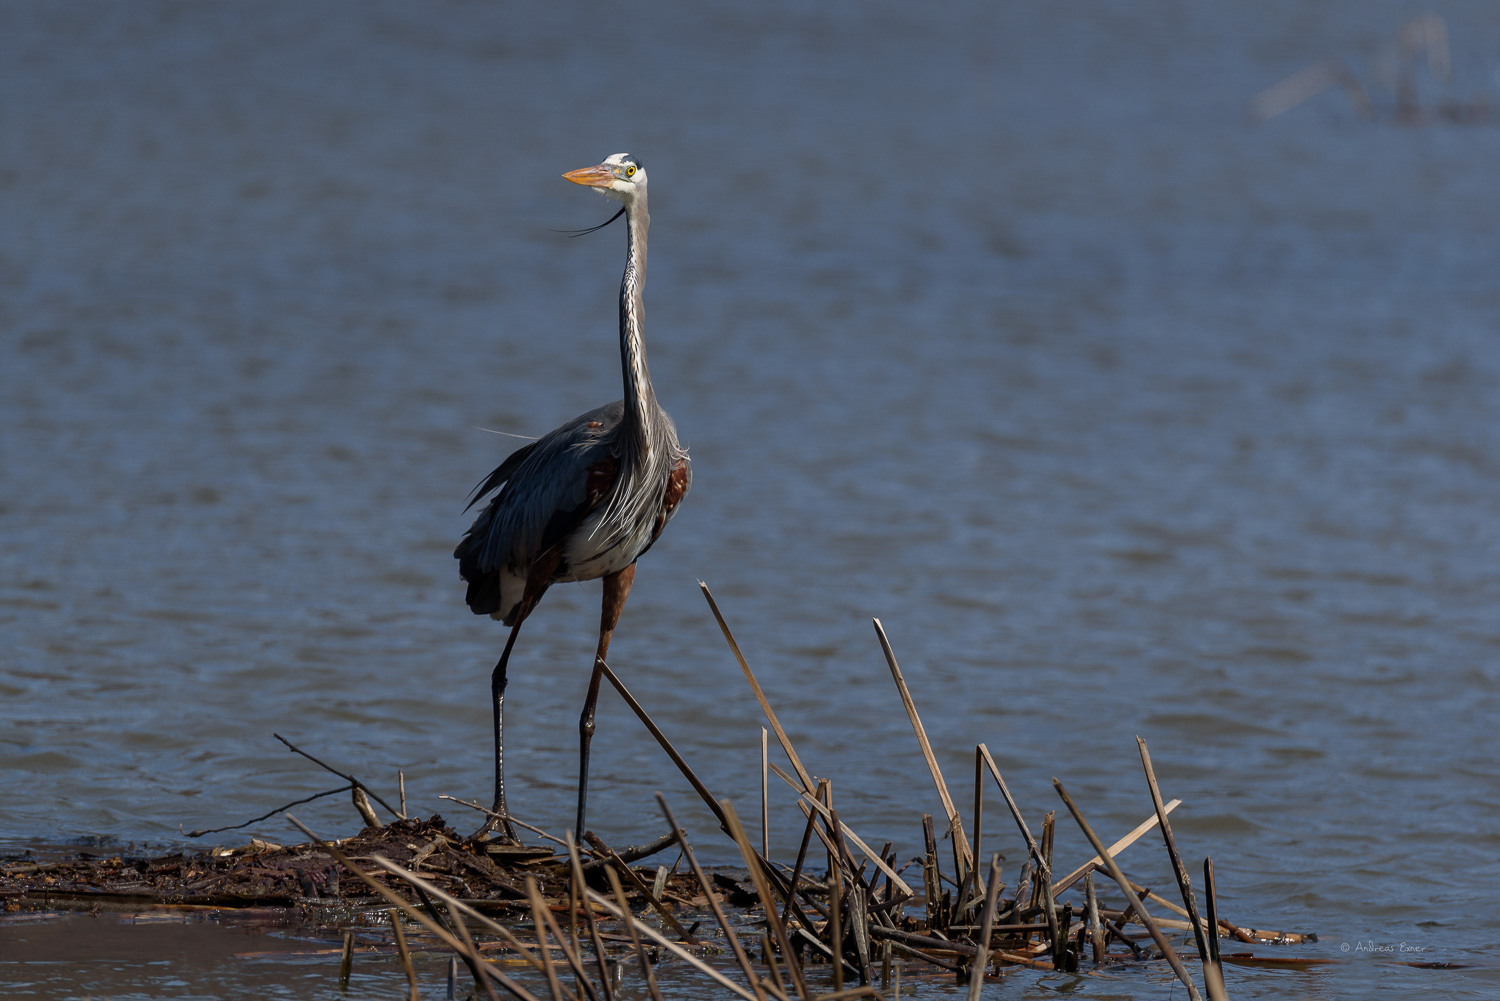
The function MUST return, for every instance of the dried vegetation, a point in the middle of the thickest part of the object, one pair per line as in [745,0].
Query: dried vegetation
[842,920]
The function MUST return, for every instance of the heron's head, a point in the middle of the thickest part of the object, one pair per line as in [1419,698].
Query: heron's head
[620,177]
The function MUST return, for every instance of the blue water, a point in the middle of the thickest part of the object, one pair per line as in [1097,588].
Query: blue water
[1125,413]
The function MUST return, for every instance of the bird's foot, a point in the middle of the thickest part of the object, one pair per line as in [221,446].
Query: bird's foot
[497,830]
[482,837]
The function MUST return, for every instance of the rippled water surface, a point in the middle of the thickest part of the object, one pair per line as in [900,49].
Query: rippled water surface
[1004,323]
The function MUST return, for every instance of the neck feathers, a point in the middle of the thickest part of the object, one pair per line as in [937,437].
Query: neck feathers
[640,398]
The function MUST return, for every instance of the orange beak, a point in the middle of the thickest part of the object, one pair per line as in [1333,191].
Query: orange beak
[601,176]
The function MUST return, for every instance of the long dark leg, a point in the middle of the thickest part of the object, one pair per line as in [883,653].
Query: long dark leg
[497,695]
[616,590]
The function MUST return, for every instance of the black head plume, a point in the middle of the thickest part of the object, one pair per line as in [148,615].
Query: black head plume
[573,233]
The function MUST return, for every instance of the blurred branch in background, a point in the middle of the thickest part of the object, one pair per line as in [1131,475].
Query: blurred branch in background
[1424,35]
[1309,82]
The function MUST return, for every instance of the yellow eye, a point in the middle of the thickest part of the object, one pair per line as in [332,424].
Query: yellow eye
[630,170]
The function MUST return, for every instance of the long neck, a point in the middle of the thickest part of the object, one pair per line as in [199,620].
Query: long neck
[640,398]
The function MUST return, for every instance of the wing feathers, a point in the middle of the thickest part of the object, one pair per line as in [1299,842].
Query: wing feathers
[500,475]
[542,492]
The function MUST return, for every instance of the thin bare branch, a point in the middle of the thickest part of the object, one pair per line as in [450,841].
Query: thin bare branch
[266,816]
[505,816]
[347,778]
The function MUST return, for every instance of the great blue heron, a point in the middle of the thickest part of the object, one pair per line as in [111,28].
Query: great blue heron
[583,501]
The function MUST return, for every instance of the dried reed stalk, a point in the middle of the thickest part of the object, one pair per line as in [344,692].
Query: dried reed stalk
[476,961]
[268,815]
[859,920]
[1114,849]
[986,926]
[713,902]
[666,745]
[539,905]
[346,960]
[844,830]
[932,879]
[642,889]
[823,835]
[1211,903]
[502,816]
[446,937]
[1213,980]
[1031,846]
[914,953]
[801,858]
[1045,894]
[399,934]
[635,938]
[760,696]
[978,890]
[925,942]
[860,929]
[1114,870]
[538,908]
[454,903]
[774,985]
[758,868]
[588,913]
[623,914]
[765,815]
[963,856]
[1096,933]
